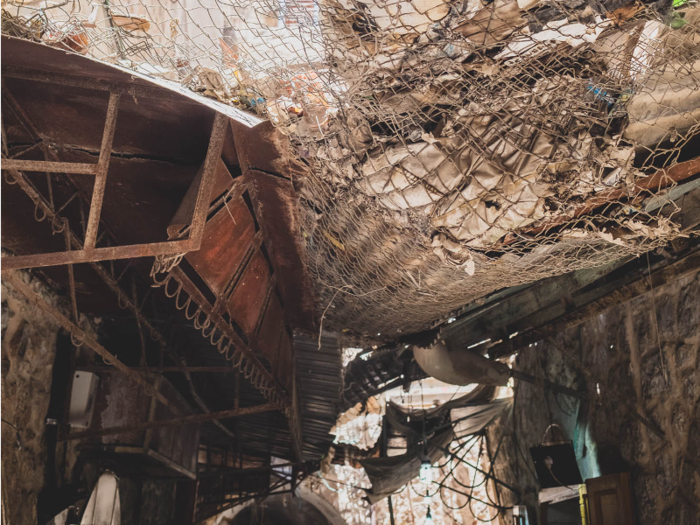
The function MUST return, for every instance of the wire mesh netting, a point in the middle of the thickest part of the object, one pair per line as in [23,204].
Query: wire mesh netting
[453,147]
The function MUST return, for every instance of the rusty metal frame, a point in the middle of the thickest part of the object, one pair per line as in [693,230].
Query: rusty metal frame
[123,298]
[292,412]
[79,337]
[88,252]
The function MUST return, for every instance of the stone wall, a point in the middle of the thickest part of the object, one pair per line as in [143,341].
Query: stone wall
[616,358]
[28,351]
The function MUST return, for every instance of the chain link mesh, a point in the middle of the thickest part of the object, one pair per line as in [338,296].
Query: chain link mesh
[453,148]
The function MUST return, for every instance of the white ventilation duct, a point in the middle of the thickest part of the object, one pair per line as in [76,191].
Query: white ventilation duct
[460,367]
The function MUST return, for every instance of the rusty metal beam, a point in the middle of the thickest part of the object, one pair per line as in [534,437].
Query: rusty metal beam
[216,144]
[75,81]
[79,337]
[178,421]
[41,260]
[164,369]
[51,167]
[98,189]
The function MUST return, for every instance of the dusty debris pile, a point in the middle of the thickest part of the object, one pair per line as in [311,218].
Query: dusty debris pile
[454,147]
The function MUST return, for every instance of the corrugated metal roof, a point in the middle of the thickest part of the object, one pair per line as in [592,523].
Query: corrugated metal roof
[319,385]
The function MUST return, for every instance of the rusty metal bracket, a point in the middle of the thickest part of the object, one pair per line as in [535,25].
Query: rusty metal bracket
[223,337]
[98,190]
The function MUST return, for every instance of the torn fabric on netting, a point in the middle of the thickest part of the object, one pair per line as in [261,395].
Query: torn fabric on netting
[458,418]
[453,148]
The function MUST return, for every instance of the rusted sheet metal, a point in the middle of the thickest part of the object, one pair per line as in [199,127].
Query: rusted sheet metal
[75,81]
[265,149]
[319,384]
[51,167]
[184,420]
[285,370]
[269,170]
[103,76]
[225,187]
[246,302]
[277,210]
[294,422]
[270,333]
[226,239]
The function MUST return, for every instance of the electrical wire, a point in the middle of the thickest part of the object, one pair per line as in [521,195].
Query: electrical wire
[18,438]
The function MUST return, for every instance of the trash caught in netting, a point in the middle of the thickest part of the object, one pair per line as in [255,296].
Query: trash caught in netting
[453,148]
